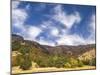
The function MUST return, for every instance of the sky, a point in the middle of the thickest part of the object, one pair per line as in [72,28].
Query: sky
[54,24]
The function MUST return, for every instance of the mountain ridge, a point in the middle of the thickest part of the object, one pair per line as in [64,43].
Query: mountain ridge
[51,56]
[60,50]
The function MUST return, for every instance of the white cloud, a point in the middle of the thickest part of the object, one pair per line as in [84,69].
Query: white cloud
[30,32]
[92,23]
[15,4]
[91,38]
[44,42]
[55,32]
[33,32]
[75,39]
[71,40]
[46,24]
[67,20]
[18,16]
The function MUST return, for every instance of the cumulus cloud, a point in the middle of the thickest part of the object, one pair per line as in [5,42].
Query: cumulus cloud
[15,4]
[76,39]
[18,16]
[67,20]
[61,36]
[71,40]
[44,42]
[91,38]
[55,32]
[92,23]
[32,32]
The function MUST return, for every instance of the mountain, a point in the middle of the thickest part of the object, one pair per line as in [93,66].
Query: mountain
[60,50]
[43,52]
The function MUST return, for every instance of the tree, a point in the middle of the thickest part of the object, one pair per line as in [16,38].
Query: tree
[15,46]
[80,63]
[67,65]
[73,62]
[27,63]
[93,62]
[24,49]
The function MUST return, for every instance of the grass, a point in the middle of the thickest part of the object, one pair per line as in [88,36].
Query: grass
[17,70]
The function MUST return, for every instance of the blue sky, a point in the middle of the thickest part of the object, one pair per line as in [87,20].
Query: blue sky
[54,24]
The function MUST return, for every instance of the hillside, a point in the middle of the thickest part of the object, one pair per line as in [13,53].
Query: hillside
[43,56]
[60,50]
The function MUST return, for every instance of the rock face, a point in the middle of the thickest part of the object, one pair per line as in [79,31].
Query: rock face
[74,51]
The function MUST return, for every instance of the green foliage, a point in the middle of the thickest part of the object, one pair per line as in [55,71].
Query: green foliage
[86,61]
[73,62]
[51,61]
[33,52]
[27,63]
[30,54]
[67,65]
[80,63]
[41,61]
[93,62]
[59,61]
[24,49]
[16,46]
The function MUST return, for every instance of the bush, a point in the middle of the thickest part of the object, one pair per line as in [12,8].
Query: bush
[24,49]
[73,62]
[93,62]
[80,63]
[27,63]
[15,45]
[59,62]
[42,62]
[51,61]
[16,60]
[67,65]
[87,61]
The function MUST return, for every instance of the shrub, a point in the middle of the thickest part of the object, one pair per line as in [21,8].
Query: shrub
[15,45]
[93,62]
[24,49]
[67,65]
[80,63]
[59,61]
[73,62]
[86,61]
[42,62]
[27,63]
[51,61]
[16,60]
